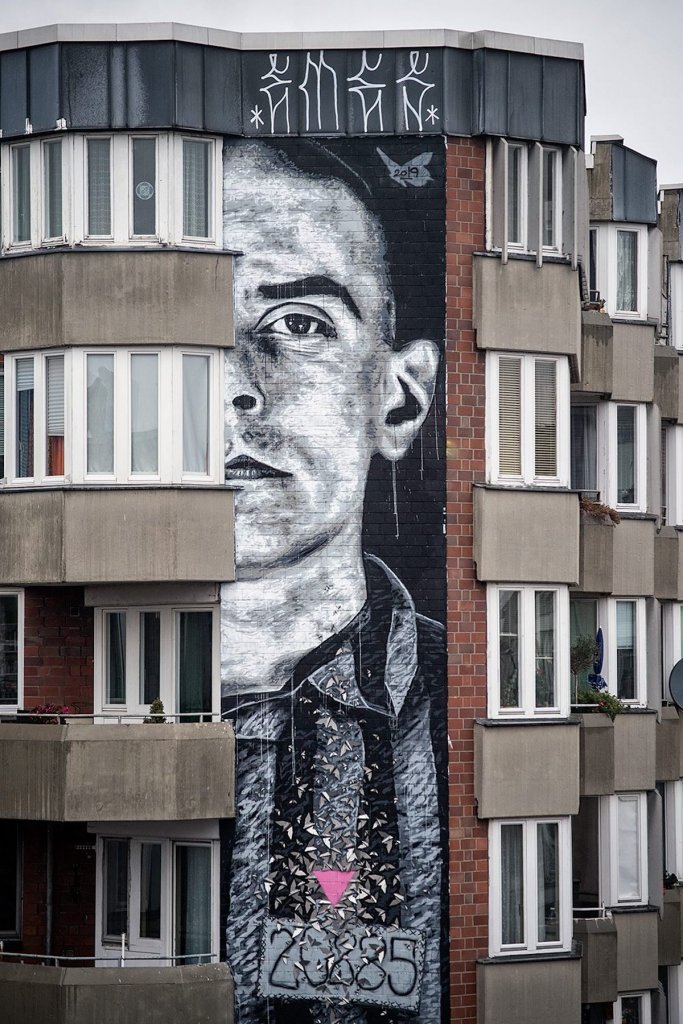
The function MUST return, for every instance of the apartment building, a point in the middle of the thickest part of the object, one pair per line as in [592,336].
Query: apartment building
[339,414]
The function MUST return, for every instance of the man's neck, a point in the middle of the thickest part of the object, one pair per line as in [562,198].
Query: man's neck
[270,622]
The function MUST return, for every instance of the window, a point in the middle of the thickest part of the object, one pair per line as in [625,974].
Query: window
[583,622]
[619,260]
[160,891]
[168,653]
[624,855]
[622,621]
[675,304]
[2,421]
[10,879]
[551,184]
[517,196]
[528,416]
[633,1009]
[528,671]
[11,649]
[143,188]
[673,458]
[672,645]
[609,453]
[530,881]
[140,416]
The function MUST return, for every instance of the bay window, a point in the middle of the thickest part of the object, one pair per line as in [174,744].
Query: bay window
[144,189]
[166,653]
[609,453]
[196,188]
[138,416]
[528,674]
[11,649]
[530,886]
[622,621]
[527,419]
[99,188]
[619,268]
[158,886]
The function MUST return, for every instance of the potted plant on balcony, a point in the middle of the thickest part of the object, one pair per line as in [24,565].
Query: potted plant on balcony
[47,714]
[156,712]
[586,652]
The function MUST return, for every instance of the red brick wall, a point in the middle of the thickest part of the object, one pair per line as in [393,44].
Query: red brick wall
[465,388]
[58,648]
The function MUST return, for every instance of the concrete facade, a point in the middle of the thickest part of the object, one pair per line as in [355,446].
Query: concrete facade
[86,772]
[544,990]
[637,943]
[164,297]
[137,535]
[598,938]
[510,781]
[617,756]
[80,995]
[526,536]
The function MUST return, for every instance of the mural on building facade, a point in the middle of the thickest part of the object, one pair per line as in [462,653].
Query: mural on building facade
[333,894]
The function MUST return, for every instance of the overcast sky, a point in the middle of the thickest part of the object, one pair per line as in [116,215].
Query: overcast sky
[634,71]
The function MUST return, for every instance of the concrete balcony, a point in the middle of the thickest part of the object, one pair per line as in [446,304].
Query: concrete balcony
[529,991]
[526,769]
[598,938]
[86,772]
[616,358]
[617,559]
[669,564]
[529,536]
[81,995]
[637,948]
[669,745]
[670,944]
[618,756]
[150,297]
[519,307]
[668,391]
[116,535]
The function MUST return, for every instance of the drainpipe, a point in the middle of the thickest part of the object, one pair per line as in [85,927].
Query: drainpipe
[48,890]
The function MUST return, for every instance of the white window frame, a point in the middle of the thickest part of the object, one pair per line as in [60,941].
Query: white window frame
[672,649]
[609,850]
[675,271]
[522,244]
[527,638]
[161,176]
[674,474]
[607,613]
[606,268]
[215,167]
[608,455]
[530,944]
[19,594]
[133,706]
[40,474]
[673,838]
[171,835]
[528,427]
[556,248]
[645,1005]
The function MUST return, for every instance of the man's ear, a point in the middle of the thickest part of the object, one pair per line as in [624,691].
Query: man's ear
[409,384]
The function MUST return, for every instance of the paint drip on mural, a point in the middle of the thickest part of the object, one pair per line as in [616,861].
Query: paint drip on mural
[332,653]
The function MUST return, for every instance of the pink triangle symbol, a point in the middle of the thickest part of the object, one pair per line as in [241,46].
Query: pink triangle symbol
[334,883]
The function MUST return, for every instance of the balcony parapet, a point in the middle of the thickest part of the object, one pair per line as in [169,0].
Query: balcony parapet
[618,756]
[87,772]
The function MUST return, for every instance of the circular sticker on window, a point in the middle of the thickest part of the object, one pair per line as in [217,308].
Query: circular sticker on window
[144,190]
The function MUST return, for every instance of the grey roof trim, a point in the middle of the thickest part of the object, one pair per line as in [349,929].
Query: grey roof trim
[288,40]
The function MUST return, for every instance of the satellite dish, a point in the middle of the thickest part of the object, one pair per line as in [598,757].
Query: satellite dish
[676,684]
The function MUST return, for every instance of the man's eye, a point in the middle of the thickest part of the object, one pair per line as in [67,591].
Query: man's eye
[300,325]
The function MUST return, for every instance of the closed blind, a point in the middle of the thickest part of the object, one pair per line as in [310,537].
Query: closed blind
[55,396]
[510,416]
[99,187]
[25,374]
[53,189]
[546,417]
[195,189]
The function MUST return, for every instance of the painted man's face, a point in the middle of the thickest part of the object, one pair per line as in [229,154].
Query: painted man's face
[312,372]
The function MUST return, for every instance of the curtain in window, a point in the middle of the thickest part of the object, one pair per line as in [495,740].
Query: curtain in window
[545,648]
[193,903]
[115,623]
[52,186]
[510,416]
[512,884]
[195,414]
[25,414]
[195,189]
[584,448]
[100,383]
[548,870]
[55,415]
[194,652]
[546,417]
[21,194]
[627,271]
[99,187]
[508,639]
[626,454]
[144,413]
[626,650]
[629,851]
[9,648]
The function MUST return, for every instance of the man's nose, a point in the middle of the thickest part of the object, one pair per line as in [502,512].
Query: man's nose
[243,391]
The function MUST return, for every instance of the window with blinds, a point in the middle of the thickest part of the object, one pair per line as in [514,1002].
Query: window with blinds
[528,406]
[196,186]
[24,407]
[99,187]
[54,416]
[52,189]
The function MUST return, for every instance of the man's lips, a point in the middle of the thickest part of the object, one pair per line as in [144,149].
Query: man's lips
[246,468]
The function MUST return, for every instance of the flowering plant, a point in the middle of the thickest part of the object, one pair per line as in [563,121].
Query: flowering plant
[49,714]
[597,694]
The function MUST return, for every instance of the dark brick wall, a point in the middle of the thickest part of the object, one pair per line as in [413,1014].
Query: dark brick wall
[58,648]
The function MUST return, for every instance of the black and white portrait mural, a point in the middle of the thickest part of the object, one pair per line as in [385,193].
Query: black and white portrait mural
[334,895]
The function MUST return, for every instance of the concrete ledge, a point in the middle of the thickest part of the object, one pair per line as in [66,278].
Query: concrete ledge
[151,297]
[637,941]
[529,991]
[619,756]
[596,354]
[667,382]
[526,769]
[633,362]
[668,745]
[87,772]
[116,535]
[633,571]
[596,554]
[521,308]
[526,536]
[598,938]
[670,947]
[110,995]
[669,564]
